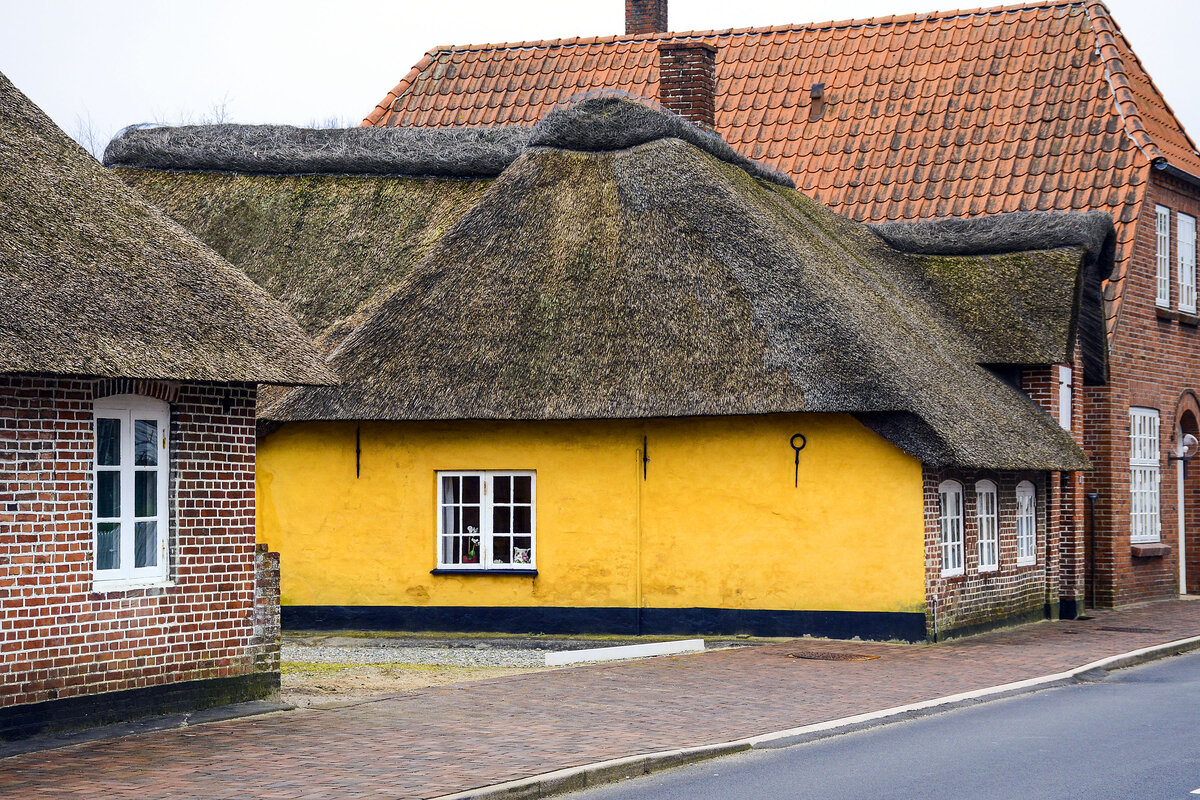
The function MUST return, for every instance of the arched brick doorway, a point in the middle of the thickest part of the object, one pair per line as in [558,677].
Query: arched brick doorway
[1187,421]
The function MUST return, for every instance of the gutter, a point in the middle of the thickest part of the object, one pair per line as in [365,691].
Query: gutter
[1175,172]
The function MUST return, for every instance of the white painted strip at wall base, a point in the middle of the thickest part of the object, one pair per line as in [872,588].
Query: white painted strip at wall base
[624,651]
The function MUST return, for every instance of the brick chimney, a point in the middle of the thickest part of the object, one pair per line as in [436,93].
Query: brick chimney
[645,16]
[687,80]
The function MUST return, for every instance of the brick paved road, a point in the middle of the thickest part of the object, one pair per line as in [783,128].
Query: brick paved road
[435,741]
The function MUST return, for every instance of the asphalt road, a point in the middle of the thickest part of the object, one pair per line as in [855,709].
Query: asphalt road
[1133,733]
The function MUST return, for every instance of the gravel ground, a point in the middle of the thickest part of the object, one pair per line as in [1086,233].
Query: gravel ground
[483,656]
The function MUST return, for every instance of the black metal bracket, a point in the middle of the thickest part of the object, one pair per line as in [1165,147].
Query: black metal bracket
[798,448]
[358,452]
[645,458]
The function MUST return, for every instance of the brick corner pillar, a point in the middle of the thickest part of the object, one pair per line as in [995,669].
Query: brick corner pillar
[645,16]
[687,80]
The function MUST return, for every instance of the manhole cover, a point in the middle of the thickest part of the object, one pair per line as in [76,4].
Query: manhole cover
[1118,629]
[819,655]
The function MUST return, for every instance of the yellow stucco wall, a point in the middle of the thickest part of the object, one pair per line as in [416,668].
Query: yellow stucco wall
[718,522]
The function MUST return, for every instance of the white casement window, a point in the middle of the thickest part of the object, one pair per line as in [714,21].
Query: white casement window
[1064,396]
[1143,475]
[950,526]
[987,519]
[1162,233]
[130,523]
[1185,244]
[1026,524]
[486,520]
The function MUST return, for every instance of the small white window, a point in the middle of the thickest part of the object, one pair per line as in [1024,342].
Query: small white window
[950,525]
[1162,232]
[129,509]
[1144,525]
[1026,525]
[988,521]
[1186,244]
[1064,396]
[486,520]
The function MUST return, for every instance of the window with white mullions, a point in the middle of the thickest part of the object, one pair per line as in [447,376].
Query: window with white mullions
[1185,244]
[1162,234]
[486,520]
[950,525]
[1026,524]
[988,524]
[130,472]
[1144,521]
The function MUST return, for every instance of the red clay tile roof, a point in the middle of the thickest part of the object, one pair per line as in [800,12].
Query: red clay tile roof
[1041,106]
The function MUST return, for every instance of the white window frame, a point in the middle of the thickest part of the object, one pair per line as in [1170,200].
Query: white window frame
[1185,245]
[1162,234]
[1026,524]
[1145,523]
[987,525]
[486,561]
[950,528]
[1065,386]
[126,409]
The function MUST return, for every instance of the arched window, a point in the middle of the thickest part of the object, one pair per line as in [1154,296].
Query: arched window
[950,525]
[988,524]
[1026,525]
[130,471]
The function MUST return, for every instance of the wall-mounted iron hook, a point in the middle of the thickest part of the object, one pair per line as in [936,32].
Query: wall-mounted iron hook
[798,448]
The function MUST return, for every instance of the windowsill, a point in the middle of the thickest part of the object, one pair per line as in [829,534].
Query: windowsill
[954,573]
[119,587]
[493,572]
[1150,550]
[988,570]
[1188,318]
[1165,314]
[1032,563]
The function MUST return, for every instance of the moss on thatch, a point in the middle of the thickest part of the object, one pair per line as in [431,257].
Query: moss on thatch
[324,245]
[97,281]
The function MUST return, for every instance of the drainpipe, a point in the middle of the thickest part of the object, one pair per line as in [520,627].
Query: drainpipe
[1092,497]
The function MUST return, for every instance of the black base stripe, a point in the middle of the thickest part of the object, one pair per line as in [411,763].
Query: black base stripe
[880,625]
[87,711]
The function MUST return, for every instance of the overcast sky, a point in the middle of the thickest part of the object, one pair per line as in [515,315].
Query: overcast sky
[120,62]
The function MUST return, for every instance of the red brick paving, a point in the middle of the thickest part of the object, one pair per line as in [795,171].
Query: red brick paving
[440,740]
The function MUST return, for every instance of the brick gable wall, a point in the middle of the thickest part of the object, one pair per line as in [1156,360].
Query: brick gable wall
[58,637]
[1154,363]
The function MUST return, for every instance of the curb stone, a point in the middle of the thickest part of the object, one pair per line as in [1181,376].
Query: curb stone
[588,776]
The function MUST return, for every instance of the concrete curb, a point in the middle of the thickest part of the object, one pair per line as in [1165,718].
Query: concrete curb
[573,779]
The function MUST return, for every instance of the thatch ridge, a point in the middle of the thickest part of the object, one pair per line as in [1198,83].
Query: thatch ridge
[288,150]
[98,282]
[592,122]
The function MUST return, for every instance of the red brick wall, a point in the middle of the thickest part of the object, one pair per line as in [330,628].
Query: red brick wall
[58,637]
[984,598]
[1153,363]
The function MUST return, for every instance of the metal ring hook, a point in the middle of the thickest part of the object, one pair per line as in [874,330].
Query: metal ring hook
[798,447]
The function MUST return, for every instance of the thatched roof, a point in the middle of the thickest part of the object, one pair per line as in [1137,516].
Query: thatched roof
[1019,310]
[593,280]
[96,281]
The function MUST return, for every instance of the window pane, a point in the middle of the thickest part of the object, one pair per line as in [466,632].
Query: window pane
[500,521]
[470,519]
[449,490]
[108,442]
[108,494]
[501,547]
[522,489]
[522,550]
[522,519]
[108,545]
[145,494]
[503,489]
[145,544]
[145,443]
[470,489]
